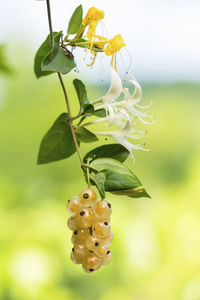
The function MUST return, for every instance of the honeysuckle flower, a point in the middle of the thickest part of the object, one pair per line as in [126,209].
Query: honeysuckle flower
[110,47]
[91,20]
[123,114]
[114,45]
[121,137]
[114,91]
[130,104]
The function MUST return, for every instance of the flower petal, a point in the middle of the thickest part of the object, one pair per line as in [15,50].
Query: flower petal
[115,87]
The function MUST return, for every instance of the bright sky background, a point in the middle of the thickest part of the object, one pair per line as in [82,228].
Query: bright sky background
[163,36]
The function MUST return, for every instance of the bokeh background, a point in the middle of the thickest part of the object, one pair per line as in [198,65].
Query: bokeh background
[156,247]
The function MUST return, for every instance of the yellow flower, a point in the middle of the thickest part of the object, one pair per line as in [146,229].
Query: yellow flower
[91,20]
[114,45]
[93,15]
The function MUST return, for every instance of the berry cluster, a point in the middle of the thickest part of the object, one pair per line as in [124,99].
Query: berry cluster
[91,230]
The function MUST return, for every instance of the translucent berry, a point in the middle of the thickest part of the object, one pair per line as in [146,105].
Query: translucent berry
[102,251]
[80,250]
[93,242]
[87,197]
[85,217]
[74,205]
[71,223]
[102,209]
[108,238]
[106,260]
[76,259]
[101,229]
[80,235]
[91,263]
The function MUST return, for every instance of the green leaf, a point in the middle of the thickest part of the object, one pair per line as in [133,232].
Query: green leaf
[60,63]
[56,60]
[85,136]
[88,109]
[116,181]
[4,66]
[115,151]
[99,180]
[85,107]
[120,180]
[113,164]
[80,90]
[58,142]
[101,113]
[75,20]
[54,47]
[137,192]
[43,51]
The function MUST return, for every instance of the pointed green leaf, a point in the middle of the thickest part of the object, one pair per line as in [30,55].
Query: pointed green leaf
[56,60]
[43,51]
[113,164]
[136,192]
[85,136]
[115,151]
[99,180]
[58,142]
[80,90]
[75,20]
[54,47]
[116,181]
[120,180]
[60,63]
[85,107]
[88,109]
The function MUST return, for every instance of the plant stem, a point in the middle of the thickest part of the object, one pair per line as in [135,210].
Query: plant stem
[65,92]
[49,19]
[70,119]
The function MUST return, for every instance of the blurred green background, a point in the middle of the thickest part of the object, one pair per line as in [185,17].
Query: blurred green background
[156,247]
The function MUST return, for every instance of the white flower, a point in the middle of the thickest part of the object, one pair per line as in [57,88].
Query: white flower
[115,89]
[124,114]
[129,104]
[121,137]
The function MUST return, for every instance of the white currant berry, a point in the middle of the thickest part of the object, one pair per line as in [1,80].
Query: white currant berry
[74,205]
[87,197]
[102,251]
[101,229]
[91,263]
[72,224]
[85,217]
[93,242]
[91,230]
[106,259]
[102,209]
[80,250]
[76,259]
[108,238]
[80,235]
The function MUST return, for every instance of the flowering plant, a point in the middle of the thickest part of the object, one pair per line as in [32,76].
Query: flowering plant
[102,166]
[65,136]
